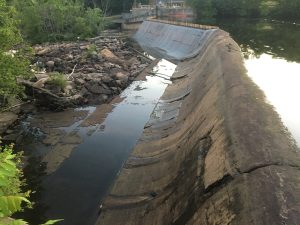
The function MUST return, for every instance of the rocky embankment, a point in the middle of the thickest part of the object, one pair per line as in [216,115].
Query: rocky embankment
[78,73]
[89,72]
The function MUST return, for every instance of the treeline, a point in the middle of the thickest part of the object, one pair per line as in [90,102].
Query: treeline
[37,21]
[283,9]
[111,7]
[53,20]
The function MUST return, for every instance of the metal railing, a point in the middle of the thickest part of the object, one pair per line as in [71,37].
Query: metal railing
[185,24]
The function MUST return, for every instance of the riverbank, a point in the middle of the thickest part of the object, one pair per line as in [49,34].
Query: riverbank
[76,74]
[74,155]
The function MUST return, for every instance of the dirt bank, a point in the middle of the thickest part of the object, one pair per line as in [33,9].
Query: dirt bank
[213,152]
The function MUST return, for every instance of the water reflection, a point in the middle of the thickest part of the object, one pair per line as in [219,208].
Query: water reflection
[256,37]
[272,58]
[280,81]
[75,187]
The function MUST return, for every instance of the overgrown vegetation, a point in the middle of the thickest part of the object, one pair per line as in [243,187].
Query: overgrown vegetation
[55,20]
[13,56]
[110,7]
[12,199]
[247,8]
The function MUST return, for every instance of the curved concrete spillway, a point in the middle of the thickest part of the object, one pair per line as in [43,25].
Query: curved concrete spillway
[172,42]
[213,152]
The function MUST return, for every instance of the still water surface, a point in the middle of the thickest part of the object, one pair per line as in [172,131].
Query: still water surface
[271,51]
[75,189]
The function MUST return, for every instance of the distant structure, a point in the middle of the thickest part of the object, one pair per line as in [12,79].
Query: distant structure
[172,10]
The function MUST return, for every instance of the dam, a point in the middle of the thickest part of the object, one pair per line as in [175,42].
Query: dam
[213,151]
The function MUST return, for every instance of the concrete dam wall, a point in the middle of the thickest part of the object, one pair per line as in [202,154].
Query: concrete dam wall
[213,152]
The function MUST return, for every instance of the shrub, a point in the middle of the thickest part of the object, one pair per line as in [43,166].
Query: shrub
[12,63]
[58,79]
[11,196]
[54,20]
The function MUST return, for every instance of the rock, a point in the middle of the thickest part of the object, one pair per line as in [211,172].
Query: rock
[84,92]
[41,75]
[50,64]
[6,120]
[43,51]
[10,137]
[69,57]
[142,66]
[98,67]
[41,82]
[96,75]
[57,60]
[104,98]
[68,89]
[79,81]
[121,76]
[119,83]
[9,131]
[97,89]
[111,57]
[91,70]
[106,79]
[104,86]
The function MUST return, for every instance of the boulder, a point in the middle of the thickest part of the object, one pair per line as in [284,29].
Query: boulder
[121,76]
[6,120]
[39,76]
[50,64]
[97,89]
[41,82]
[111,57]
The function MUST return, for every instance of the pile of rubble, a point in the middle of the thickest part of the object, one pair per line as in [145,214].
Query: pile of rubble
[92,71]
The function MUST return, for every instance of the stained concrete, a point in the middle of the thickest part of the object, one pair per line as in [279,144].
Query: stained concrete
[213,152]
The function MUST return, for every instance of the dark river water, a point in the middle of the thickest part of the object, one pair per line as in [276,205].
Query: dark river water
[271,51]
[69,179]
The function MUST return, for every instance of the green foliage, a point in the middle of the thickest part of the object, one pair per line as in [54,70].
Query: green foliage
[203,8]
[91,49]
[286,9]
[50,222]
[53,20]
[11,197]
[58,80]
[247,8]
[12,63]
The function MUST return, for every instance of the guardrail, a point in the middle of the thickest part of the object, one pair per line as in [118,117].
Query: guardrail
[185,24]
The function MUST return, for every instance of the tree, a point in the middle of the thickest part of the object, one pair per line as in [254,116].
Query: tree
[55,20]
[203,8]
[13,63]
[287,9]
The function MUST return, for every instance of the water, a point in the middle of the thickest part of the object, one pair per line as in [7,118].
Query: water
[71,185]
[271,51]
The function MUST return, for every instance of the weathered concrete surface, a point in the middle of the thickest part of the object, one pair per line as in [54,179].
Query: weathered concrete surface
[172,42]
[213,152]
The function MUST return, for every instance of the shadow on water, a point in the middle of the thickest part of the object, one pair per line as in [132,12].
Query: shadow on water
[74,189]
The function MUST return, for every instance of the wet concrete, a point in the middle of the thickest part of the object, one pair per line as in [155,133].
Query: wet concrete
[213,151]
[74,156]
